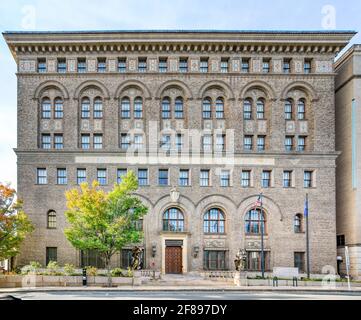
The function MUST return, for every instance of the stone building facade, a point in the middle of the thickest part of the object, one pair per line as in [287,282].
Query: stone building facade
[216,118]
[348,133]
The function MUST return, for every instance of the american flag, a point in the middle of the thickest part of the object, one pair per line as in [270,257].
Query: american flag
[258,202]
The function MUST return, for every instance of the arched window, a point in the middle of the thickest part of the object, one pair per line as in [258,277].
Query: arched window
[178,110]
[213,221]
[125,108]
[260,109]
[85,108]
[207,114]
[219,108]
[51,220]
[98,108]
[301,110]
[59,108]
[46,108]
[138,108]
[253,222]
[297,223]
[166,108]
[288,109]
[247,110]
[173,220]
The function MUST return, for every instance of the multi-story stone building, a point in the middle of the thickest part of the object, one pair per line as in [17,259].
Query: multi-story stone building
[216,117]
[348,133]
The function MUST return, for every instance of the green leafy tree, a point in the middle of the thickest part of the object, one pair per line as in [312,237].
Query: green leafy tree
[105,222]
[14,223]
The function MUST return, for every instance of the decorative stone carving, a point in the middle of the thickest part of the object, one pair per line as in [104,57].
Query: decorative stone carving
[112,65]
[249,126]
[138,124]
[27,66]
[71,65]
[277,66]
[253,245]
[132,64]
[303,127]
[236,65]
[214,66]
[173,65]
[194,65]
[221,124]
[92,65]
[262,126]
[167,124]
[174,195]
[215,243]
[45,124]
[179,124]
[324,66]
[152,64]
[298,66]
[98,125]
[58,125]
[256,65]
[51,65]
[125,125]
[85,125]
[208,124]
[290,127]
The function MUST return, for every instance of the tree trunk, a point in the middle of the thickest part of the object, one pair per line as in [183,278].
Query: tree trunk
[107,262]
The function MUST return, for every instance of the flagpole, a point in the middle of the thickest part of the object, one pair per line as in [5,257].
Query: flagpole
[262,238]
[307,240]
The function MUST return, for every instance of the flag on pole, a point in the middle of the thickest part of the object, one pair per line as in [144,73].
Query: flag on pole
[306,208]
[258,202]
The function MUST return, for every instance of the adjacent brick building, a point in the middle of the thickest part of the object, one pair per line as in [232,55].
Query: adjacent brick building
[217,118]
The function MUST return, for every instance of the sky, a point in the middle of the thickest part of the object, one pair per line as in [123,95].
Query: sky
[152,14]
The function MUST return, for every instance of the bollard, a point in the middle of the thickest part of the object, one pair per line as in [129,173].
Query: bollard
[85,277]
[275,282]
[295,282]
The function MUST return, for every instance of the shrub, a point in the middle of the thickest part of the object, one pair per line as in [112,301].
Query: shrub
[52,269]
[69,269]
[32,268]
[91,271]
[130,273]
[117,272]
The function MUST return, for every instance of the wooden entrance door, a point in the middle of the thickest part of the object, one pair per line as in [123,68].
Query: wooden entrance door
[173,260]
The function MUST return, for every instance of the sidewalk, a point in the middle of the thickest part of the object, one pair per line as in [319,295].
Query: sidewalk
[185,288]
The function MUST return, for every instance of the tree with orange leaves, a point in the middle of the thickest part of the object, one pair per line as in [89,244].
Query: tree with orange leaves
[14,223]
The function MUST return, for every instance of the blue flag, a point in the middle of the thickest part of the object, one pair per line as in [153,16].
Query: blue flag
[306,208]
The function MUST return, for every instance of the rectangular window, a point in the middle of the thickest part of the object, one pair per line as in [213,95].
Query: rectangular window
[341,242]
[207,143]
[225,178]
[102,177]
[85,141]
[51,254]
[287,66]
[254,260]
[266,67]
[214,260]
[80,176]
[184,178]
[122,65]
[61,65]
[163,177]
[204,65]
[301,145]
[91,258]
[58,141]
[307,179]
[124,141]
[46,109]
[98,141]
[178,108]
[41,176]
[46,141]
[179,141]
[120,174]
[142,65]
[138,141]
[61,176]
[125,108]
[307,67]
[299,261]
[58,109]
[204,180]
[245,65]
[246,178]
[81,65]
[166,142]
[224,65]
[98,109]
[183,65]
[248,143]
[102,65]
[220,142]
[143,177]
[41,65]
[266,179]
[287,179]
[163,65]
[289,143]
[261,143]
